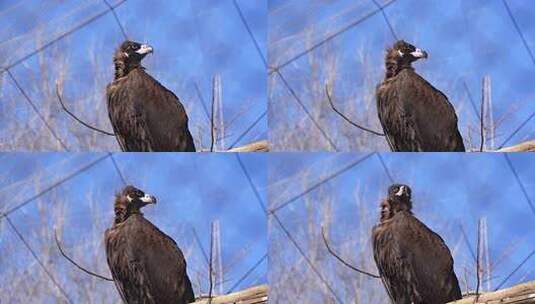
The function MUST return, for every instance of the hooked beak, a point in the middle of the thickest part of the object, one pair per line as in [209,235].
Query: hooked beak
[144,49]
[401,191]
[148,199]
[418,53]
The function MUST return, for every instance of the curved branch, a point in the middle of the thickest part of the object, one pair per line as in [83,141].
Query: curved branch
[345,117]
[75,264]
[78,119]
[342,261]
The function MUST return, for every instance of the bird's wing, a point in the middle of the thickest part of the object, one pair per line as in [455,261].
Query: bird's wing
[127,116]
[425,259]
[110,95]
[396,120]
[381,111]
[165,266]
[165,117]
[429,112]
[128,273]
[389,263]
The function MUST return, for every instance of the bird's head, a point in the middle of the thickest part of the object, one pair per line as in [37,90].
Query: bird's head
[134,51]
[128,56]
[129,201]
[401,55]
[406,52]
[398,199]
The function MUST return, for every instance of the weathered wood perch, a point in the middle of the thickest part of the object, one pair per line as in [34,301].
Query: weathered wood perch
[253,295]
[527,146]
[520,294]
[257,146]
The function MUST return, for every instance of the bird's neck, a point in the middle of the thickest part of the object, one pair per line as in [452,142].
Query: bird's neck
[122,68]
[122,213]
[393,68]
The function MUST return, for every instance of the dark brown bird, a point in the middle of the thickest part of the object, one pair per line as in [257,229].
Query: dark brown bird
[414,263]
[144,114]
[415,116]
[146,265]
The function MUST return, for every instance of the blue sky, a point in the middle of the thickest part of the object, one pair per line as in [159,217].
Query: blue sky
[192,192]
[466,40]
[193,41]
[449,191]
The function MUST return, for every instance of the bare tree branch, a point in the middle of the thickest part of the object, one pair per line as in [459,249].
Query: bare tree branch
[76,118]
[345,117]
[341,260]
[76,264]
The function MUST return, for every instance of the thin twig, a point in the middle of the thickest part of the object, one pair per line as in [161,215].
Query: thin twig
[331,251]
[76,118]
[76,264]
[345,117]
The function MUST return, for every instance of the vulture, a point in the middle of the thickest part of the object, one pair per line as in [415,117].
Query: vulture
[146,264]
[145,116]
[415,116]
[414,263]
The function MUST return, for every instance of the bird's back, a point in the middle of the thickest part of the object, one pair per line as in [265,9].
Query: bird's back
[414,262]
[146,264]
[148,116]
[418,116]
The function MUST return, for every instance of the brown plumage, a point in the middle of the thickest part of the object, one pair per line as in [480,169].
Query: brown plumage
[414,263]
[146,265]
[144,114]
[415,116]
